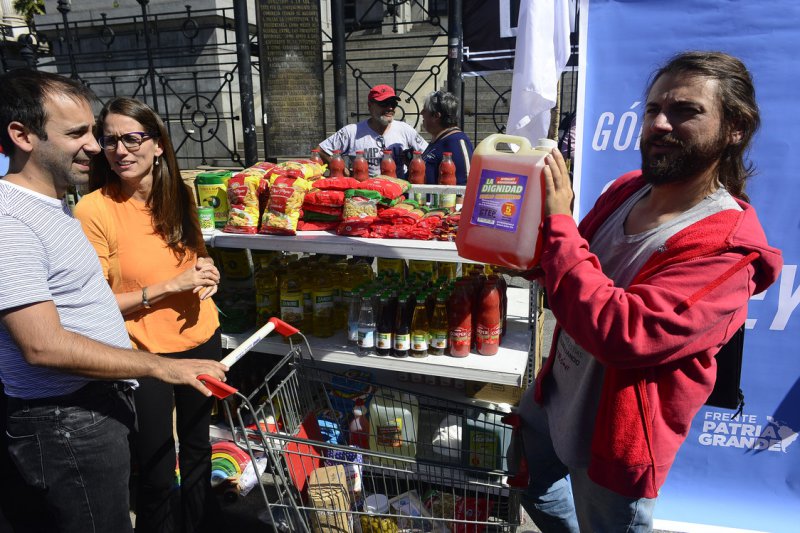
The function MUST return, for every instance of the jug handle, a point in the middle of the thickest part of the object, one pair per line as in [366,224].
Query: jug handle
[497,138]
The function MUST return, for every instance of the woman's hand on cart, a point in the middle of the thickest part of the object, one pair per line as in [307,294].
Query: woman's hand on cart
[220,389]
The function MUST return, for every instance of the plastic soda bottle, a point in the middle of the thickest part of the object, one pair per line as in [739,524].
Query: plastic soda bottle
[315,158]
[388,166]
[353,312]
[460,318]
[267,296]
[366,326]
[490,322]
[323,303]
[438,330]
[360,166]
[419,329]
[402,328]
[416,169]
[336,165]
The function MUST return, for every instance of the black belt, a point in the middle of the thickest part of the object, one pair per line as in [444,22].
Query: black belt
[91,389]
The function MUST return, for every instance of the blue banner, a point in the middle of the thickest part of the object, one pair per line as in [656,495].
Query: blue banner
[742,473]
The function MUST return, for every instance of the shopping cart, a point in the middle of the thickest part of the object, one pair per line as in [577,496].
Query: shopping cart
[433,465]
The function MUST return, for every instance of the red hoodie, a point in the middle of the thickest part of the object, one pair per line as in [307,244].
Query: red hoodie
[657,338]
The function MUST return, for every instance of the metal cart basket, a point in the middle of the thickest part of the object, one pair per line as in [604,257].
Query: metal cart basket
[432,465]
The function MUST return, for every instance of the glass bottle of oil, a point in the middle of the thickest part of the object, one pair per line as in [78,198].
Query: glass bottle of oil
[419,329]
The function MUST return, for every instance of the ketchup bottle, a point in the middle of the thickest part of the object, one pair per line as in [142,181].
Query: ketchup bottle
[447,170]
[359,426]
[336,165]
[502,286]
[388,166]
[315,158]
[490,321]
[360,166]
[416,169]
[459,318]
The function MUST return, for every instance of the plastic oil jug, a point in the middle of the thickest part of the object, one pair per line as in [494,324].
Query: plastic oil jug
[393,419]
[486,439]
[503,205]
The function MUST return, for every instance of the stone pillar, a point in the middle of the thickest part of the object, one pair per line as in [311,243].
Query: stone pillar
[11,18]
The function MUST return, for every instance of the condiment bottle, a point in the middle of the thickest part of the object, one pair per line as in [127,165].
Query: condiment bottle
[459,319]
[336,165]
[315,158]
[383,342]
[416,169]
[438,329]
[489,323]
[359,426]
[388,166]
[360,166]
[419,329]
[402,328]
[447,170]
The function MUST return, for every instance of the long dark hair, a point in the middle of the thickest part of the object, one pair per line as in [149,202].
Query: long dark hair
[737,96]
[171,202]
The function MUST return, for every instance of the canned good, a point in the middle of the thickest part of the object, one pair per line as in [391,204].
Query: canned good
[206,214]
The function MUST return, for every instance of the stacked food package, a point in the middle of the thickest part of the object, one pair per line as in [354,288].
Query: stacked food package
[284,198]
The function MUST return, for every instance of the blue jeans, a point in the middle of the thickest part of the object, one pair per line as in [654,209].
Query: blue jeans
[73,452]
[558,503]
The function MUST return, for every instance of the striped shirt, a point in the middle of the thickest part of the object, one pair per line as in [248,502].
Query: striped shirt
[45,256]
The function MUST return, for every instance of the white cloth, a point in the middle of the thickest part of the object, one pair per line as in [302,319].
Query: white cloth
[46,257]
[542,53]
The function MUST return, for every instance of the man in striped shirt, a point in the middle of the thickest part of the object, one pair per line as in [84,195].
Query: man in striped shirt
[63,343]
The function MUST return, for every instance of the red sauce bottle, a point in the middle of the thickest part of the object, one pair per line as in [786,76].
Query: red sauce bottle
[360,166]
[416,169]
[315,158]
[459,318]
[336,165]
[490,321]
[388,166]
[447,170]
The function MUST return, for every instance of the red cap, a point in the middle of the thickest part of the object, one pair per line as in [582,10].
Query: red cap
[379,93]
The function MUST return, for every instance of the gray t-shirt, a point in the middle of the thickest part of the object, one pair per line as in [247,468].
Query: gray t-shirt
[577,378]
[398,137]
[47,257]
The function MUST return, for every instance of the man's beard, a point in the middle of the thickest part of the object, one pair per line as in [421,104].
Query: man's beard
[384,120]
[688,161]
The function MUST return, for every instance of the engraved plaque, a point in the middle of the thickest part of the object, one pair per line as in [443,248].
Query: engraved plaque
[291,75]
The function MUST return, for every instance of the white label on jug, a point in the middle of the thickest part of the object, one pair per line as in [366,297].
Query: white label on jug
[499,200]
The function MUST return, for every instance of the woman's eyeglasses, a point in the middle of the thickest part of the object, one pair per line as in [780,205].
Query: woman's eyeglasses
[132,141]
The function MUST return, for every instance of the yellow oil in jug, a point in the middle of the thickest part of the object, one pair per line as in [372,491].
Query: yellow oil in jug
[503,205]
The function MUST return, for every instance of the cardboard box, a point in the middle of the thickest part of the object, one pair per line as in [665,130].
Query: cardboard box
[328,494]
[492,392]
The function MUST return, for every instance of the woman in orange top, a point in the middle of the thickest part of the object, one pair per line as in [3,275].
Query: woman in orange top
[142,220]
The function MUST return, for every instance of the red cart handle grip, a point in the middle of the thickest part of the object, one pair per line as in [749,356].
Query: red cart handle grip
[218,388]
[283,328]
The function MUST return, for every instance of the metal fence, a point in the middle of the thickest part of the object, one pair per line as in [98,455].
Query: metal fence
[184,64]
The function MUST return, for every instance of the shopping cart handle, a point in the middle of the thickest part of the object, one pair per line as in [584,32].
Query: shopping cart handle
[219,389]
[283,328]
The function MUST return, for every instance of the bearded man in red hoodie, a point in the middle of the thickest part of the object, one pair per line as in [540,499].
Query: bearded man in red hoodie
[645,292]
